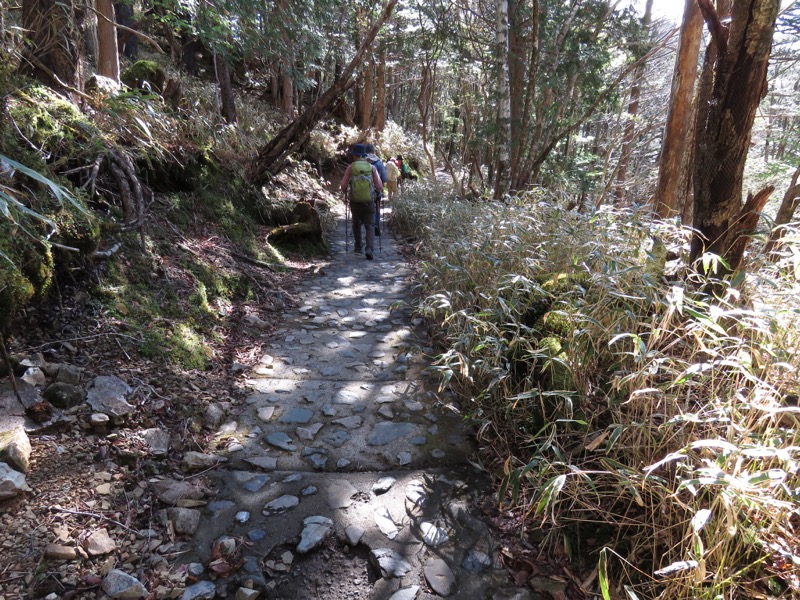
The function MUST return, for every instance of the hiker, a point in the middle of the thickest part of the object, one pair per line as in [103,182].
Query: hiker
[378,164]
[405,172]
[361,179]
[394,174]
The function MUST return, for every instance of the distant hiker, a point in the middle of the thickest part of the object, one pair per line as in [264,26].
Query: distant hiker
[378,164]
[405,172]
[394,174]
[361,180]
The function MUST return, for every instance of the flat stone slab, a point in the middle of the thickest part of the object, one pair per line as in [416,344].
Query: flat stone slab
[280,440]
[315,530]
[280,505]
[340,494]
[299,416]
[389,563]
[387,432]
[440,577]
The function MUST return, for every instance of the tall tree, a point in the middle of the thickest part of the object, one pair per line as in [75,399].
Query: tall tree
[107,49]
[726,117]
[503,102]
[674,149]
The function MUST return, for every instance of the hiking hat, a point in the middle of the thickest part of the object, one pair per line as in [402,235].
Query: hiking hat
[369,149]
[357,150]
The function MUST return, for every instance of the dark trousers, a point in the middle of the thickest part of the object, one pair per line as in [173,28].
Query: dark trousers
[363,216]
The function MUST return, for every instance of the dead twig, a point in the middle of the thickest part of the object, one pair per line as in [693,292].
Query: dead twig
[95,516]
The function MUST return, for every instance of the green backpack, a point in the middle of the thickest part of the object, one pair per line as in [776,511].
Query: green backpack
[361,185]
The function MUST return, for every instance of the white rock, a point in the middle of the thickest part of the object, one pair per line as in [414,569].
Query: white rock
[118,584]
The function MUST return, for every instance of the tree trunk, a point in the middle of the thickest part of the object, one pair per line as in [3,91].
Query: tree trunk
[503,102]
[517,177]
[785,214]
[380,85]
[424,106]
[107,50]
[366,107]
[227,102]
[52,52]
[633,110]
[674,149]
[740,82]
[271,157]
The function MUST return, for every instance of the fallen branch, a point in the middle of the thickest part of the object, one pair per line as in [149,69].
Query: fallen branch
[96,516]
[104,254]
[253,261]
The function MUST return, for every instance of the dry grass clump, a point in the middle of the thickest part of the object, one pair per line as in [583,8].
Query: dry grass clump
[648,431]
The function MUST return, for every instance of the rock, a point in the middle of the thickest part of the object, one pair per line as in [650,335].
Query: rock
[15,448]
[337,438]
[265,413]
[267,463]
[34,376]
[386,411]
[99,543]
[315,530]
[432,535]
[340,493]
[59,552]
[477,561]
[389,563]
[438,453]
[99,420]
[280,440]
[383,485]
[11,482]
[63,395]
[307,433]
[184,520]
[280,505]
[387,432]
[406,593]
[439,577]
[246,594]
[101,86]
[242,517]
[195,570]
[343,463]
[202,590]
[385,522]
[214,415]
[415,492]
[197,461]
[256,483]
[404,458]
[352,422]
[118,584]
[354,533]
[157,441]
[69,374]
[309,491]
[256,535]
[170,491]
[299,416]
[108,395]
[318,461]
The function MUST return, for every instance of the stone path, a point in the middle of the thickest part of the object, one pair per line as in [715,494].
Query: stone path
[354,480]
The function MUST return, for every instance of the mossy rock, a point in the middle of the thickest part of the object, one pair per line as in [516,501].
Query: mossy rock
[144,73]
[54,124]
[557,323]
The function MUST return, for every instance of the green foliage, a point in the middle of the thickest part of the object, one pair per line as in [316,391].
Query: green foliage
[617,397]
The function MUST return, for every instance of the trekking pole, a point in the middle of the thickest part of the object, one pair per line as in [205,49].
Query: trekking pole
[346,224]
[380,226]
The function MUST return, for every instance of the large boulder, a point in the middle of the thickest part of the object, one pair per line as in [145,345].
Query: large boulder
[15,448]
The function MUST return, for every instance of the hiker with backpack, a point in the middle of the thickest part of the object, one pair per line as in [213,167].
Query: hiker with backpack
[378,164]
[361,181]
[394,175]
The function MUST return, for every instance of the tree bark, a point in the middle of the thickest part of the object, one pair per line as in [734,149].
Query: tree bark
[380,89]
[740,82]
[271,157]
[785,214]
[674,149]
[227,102]
[107,50]
[366,106]
[503,102]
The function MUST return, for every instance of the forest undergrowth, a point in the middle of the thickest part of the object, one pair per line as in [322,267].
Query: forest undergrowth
[643,429]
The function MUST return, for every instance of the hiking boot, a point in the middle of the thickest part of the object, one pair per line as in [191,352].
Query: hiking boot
[369,255]
[357,250]
[377,231]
